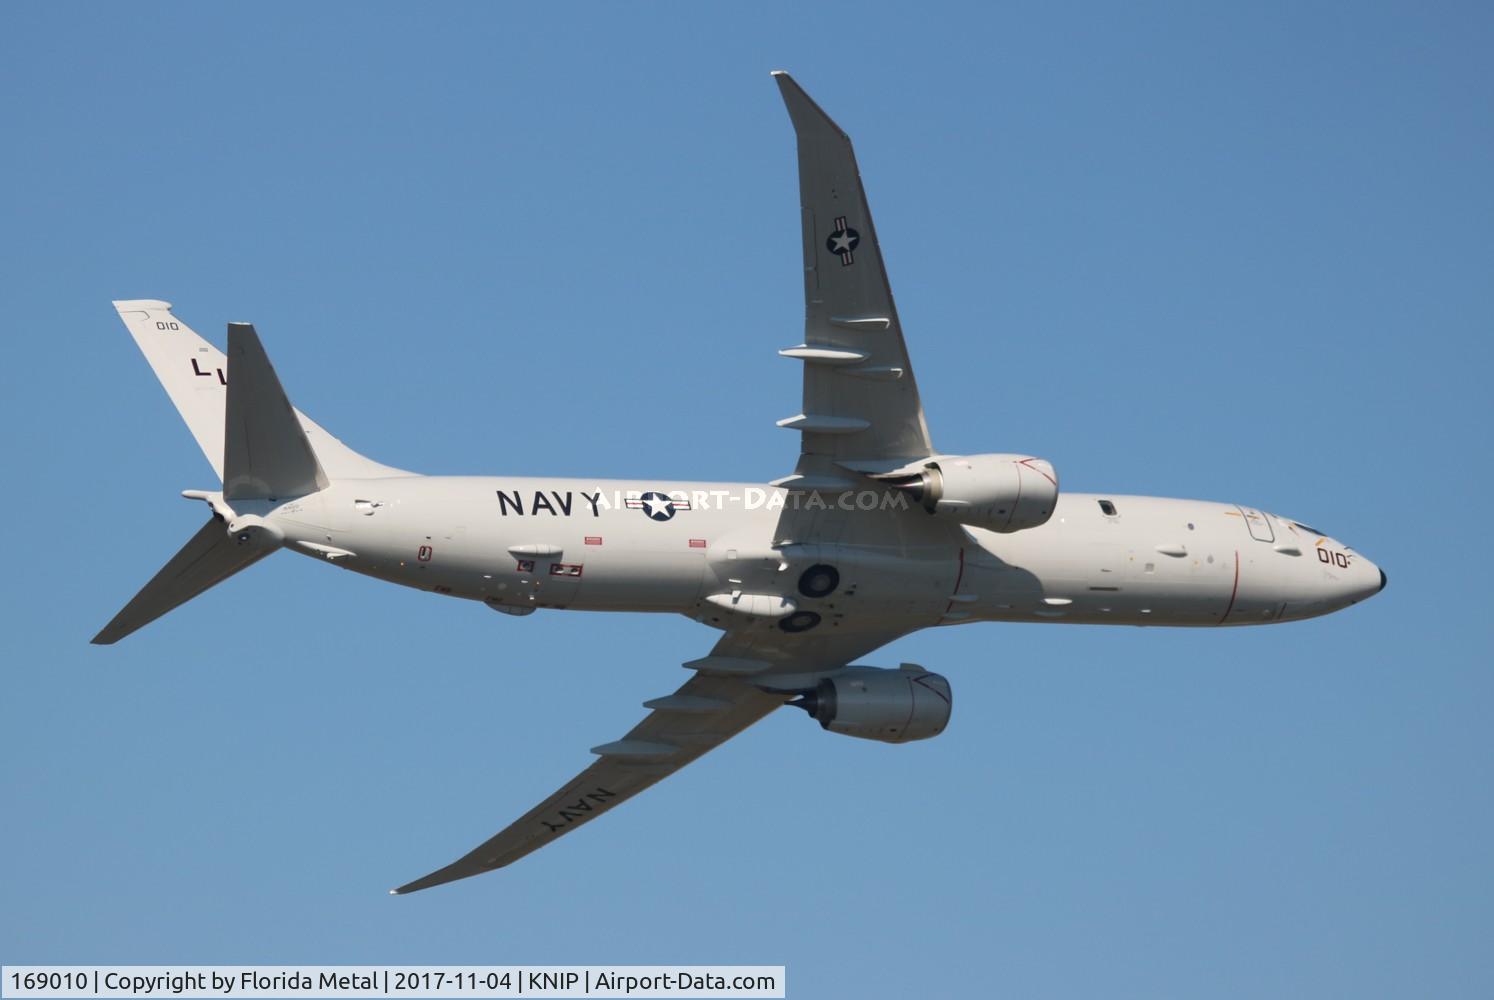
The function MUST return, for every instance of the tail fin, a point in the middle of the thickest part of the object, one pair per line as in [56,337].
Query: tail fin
[260,446]
[265,451]
[265,455]
[194,374]
[210,557]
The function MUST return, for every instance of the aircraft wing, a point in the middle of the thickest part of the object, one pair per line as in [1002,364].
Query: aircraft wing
[861,404]
[726,695]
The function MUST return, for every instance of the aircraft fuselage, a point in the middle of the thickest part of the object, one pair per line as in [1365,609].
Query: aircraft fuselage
[519,544]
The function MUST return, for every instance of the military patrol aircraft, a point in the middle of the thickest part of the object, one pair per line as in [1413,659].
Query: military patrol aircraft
[875,534]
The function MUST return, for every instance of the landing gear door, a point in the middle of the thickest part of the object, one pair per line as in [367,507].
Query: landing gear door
[557,579]
[1257,523]
[548,576]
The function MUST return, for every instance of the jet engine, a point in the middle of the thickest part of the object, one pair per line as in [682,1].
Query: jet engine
[876,703]
[998,492]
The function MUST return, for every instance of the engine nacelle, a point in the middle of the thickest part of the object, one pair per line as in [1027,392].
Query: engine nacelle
[875,703]
[998,492]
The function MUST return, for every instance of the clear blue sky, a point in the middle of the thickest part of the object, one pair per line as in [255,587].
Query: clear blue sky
[1236,255]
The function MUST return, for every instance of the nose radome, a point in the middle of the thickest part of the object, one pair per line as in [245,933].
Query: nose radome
[1367,581]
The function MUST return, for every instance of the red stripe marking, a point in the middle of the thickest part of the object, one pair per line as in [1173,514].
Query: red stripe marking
[1236,589]
[958,577]
[1017,502]
[912,704]
[1040,472]
[697,543]
[593,539]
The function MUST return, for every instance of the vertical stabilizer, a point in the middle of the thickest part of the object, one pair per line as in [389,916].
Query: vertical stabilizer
[192,371]
[194,374]
[265,452]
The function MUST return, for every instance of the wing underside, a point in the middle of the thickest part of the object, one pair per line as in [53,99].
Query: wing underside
[701,715]
[861,402]
[747,675]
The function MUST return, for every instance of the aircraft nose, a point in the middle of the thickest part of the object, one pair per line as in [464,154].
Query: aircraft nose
[1368,582]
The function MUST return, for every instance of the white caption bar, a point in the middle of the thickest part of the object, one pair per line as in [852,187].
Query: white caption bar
[375,981]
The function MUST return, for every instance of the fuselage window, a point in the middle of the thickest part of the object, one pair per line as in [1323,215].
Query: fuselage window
[1108,508]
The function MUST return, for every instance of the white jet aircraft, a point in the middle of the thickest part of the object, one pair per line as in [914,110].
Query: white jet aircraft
[876,534]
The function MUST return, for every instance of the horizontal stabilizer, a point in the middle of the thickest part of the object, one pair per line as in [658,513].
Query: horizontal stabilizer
[265,451]
[209,558]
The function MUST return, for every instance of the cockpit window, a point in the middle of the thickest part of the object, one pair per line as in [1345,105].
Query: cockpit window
[1310,531]
[1108,508]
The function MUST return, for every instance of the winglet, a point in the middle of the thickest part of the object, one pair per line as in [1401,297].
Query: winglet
[806,115]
